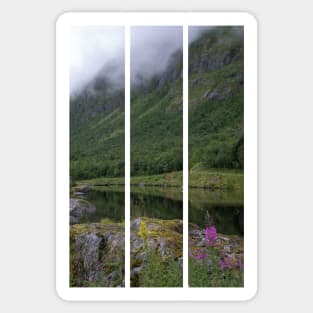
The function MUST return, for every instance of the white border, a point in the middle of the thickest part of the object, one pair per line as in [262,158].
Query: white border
[64,22]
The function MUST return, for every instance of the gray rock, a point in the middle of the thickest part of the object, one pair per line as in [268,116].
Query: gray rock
[79,194]
[97,254]
[213,95]
[136,224]
[76,208]
[73,220]
[83,188]
[88,248]
[79,208]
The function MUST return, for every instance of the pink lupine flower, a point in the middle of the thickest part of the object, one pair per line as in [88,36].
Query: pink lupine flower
[210,235]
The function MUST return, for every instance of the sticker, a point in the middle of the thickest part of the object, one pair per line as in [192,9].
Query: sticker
[156,156]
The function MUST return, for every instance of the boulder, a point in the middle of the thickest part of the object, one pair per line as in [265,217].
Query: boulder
[83,188]
[161,237]
[97,255]
[80,208]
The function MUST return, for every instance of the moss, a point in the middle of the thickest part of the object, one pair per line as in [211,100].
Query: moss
[169,230]
[84,203]
[78,229]
[104,266]
[156,249]
[107,221]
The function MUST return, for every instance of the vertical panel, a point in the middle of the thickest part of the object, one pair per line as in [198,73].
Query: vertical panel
[185,152]
[97,128]
[156,156]
[127,156]
[216,146]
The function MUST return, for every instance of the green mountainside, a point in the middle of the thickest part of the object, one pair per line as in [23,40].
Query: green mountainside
[216,99]
[97,131]
[157,122]
[215,115]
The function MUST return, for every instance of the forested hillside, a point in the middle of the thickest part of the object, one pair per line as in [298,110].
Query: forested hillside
[156,122]
[97,129]
[216,85]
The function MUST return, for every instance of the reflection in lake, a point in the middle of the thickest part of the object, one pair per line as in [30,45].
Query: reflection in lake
[155,206]
[226,207]
[109,205]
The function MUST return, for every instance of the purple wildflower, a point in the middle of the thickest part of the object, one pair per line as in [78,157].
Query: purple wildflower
[200,255]
[225,263]
[239,264]
[210,235]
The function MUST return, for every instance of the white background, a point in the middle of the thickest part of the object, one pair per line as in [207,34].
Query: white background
[27,155]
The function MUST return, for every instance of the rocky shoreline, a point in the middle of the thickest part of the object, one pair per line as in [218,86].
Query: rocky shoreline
[97,250]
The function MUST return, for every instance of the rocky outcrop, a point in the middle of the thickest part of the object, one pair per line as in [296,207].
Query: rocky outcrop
[97,250]
[97,255]
[161,237]
[230,247]
[79,208]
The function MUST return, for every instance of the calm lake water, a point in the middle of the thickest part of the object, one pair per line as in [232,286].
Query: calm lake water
[226,208]
[109,204]
[155,206]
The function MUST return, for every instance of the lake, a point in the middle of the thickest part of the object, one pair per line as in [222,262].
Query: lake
[225,207]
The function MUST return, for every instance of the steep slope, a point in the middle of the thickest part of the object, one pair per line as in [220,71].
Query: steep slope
[216,99]
[97,129]
[216,85]
[156,122]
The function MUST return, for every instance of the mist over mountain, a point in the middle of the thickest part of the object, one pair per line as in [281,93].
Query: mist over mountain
[151,50]
[99,51]
[93,48]
[215,105]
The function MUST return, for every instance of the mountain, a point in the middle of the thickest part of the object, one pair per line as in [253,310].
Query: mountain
[156,122]
[216,86]
[215,114]
[97,128]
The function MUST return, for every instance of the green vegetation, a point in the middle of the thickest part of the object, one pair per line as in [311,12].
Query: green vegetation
[216,100]
[161,246]
[214,179]
[156,130]
[158,272]
[215,119]
[97,131]
[201,275]
[216,163]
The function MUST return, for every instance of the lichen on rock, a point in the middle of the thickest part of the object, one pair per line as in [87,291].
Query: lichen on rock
[97,255]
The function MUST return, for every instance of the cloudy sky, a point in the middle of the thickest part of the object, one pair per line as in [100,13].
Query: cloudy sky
[93,47]
[151,47]
[96,47]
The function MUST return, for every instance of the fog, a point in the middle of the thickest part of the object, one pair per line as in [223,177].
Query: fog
[194,32]
[96,49]
[151,48]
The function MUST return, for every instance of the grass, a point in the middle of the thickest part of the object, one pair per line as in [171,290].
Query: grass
[201,275]
[219,179]
[160,273]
